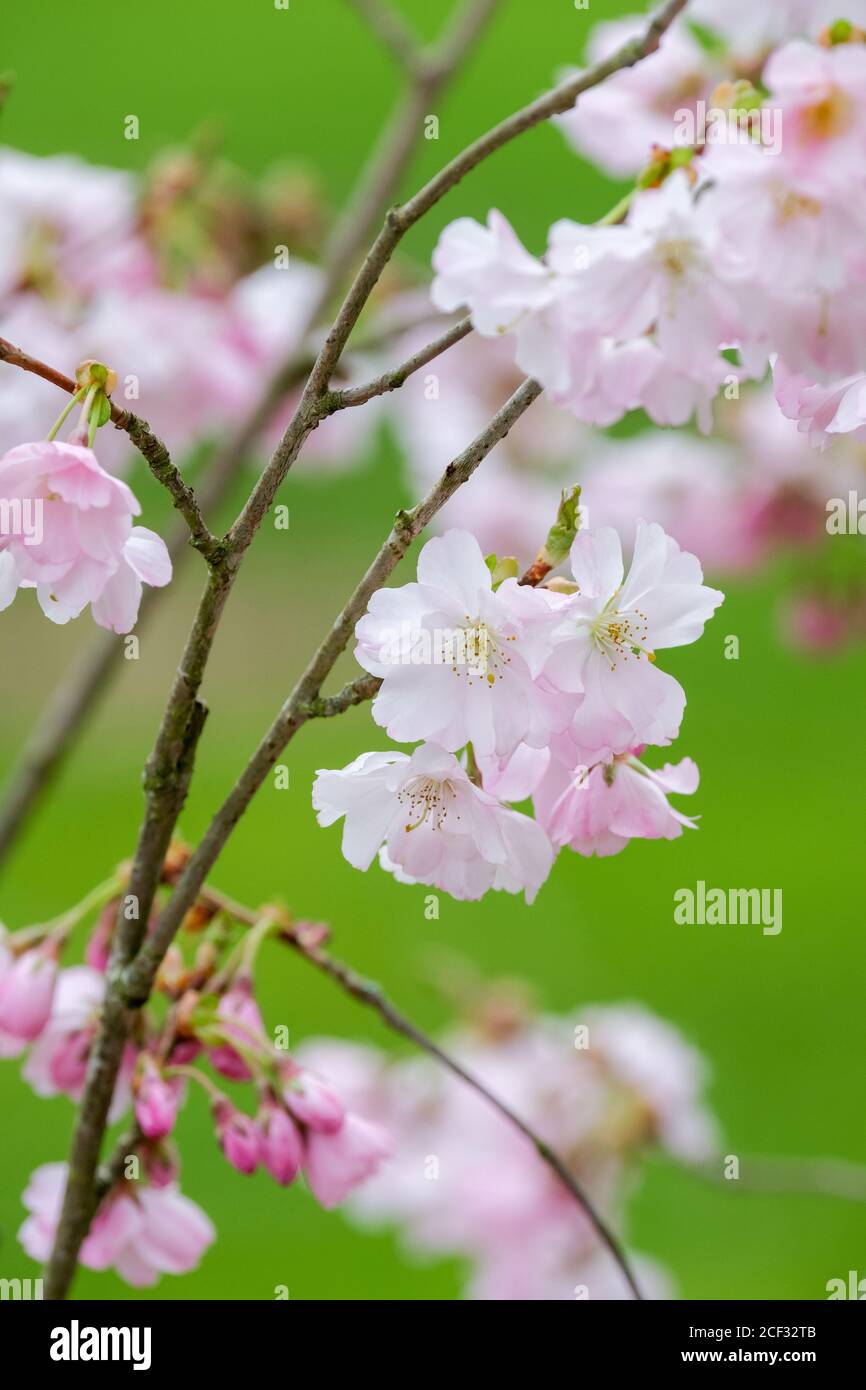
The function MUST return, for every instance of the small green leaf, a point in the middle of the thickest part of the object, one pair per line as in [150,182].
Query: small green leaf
[506,568]
[560,537]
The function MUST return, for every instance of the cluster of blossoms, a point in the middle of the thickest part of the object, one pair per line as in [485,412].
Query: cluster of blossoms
[603,1088]
[746,253]
[737,252]
[552,692]
[204,1011]
[140,272]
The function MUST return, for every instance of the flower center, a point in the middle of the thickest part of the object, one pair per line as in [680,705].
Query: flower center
[677,256]
[832,116]
[426,799]
[617,634]
[477,650]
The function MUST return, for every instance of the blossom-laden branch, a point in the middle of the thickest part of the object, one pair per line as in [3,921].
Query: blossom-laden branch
[302,703]
[133,964]
[64,718]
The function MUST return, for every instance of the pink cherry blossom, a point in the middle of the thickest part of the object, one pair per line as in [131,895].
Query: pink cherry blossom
[140,1231]
[822,411]
[337,1163]
[489,268]
[617,123]
[85,549]
[313,1102]
[65,223]
[610,631]
[144,560]
[822,92]
[433,824]
[26,993]
[598,810]
[459,661]
[58,1059]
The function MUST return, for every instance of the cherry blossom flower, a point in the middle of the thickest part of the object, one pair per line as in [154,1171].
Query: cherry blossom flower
[84,548]
[598,810]
[459,661]
[617,123]
[433,824]
[335,1163]
[58,1059]
[65,225]
[140,1231]
[822,411]
[313,1102]
[26,993]
[610,631]
[143,560]
[822,92]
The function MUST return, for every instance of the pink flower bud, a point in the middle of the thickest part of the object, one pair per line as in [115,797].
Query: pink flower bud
[160,1164]
[155,1104]
[98,948]
[239,1137]
[335,1163]
[314,1103]
[26,993]
[239,1014]
[282,1146]
[185,1051]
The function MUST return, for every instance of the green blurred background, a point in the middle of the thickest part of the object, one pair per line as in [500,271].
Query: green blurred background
[778,739]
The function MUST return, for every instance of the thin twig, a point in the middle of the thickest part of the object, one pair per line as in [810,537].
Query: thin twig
[825,1177]
[392,380]
[371,994]
[391,29]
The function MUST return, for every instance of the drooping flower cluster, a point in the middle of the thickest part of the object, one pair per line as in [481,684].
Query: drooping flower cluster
[144,1226]
[552,694]
[603,1088]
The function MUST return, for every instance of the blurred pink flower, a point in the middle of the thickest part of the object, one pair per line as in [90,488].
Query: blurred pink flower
[338,1162]
[26,993]
[142,1232]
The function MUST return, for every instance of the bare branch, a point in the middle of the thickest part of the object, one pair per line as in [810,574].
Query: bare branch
[394,379]
[825,1177]
[391,29]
